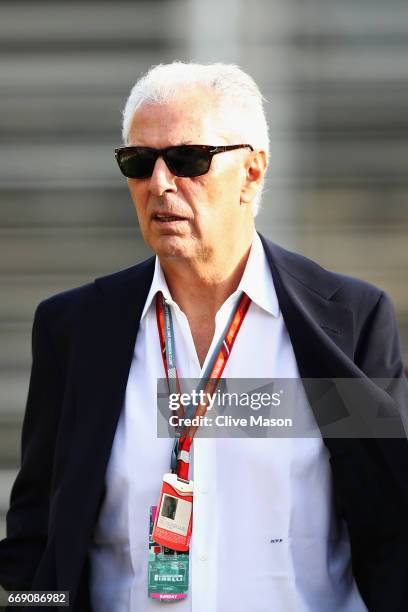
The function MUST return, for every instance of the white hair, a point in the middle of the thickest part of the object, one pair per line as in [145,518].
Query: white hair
[235,92]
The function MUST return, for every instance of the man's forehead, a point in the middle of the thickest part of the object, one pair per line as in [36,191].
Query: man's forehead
[180,120]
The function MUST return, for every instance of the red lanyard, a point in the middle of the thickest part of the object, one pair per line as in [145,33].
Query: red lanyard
[211,376]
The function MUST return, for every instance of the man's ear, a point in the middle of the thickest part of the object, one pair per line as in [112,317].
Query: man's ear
[255,168]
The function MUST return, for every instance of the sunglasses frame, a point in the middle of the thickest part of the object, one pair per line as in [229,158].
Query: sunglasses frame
[209,149]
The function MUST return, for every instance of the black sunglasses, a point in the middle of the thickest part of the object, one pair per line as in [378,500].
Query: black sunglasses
[182,160]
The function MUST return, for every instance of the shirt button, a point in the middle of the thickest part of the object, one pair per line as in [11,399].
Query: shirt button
[203,557]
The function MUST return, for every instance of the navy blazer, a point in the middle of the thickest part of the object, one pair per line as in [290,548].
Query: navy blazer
[83,341]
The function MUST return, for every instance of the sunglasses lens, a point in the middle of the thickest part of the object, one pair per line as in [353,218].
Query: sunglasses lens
[188,161]
[137,163]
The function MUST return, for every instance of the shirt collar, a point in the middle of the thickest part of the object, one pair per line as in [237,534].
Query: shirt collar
[256,282]
[158,284]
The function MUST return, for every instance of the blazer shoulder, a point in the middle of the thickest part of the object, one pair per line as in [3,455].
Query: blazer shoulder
[66,306]
[331,285]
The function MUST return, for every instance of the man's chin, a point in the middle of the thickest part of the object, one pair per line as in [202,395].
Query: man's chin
[172,247]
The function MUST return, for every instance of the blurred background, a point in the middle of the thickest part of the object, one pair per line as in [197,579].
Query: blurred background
[335,76]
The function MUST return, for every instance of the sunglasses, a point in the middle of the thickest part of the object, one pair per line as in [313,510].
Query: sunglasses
[182,160]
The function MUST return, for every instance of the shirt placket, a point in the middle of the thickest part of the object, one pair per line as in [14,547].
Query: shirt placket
[206,537]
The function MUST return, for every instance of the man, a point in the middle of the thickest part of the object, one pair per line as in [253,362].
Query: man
[322,523]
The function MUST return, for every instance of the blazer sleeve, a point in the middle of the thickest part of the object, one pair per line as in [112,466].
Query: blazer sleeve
[378,352]
[380,537]
[27,518]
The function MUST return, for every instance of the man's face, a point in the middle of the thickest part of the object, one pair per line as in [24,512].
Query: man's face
[211,218]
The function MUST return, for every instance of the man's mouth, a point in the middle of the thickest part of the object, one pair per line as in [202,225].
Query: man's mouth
[168,218]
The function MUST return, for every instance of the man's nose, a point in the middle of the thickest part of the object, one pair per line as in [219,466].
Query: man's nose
[162,179]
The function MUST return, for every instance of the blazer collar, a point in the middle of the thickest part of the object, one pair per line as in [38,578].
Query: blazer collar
[317,323]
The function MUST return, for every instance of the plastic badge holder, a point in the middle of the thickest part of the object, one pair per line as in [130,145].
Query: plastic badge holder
[174,518]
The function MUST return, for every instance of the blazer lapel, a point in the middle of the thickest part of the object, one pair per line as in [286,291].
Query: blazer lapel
[102,354]
[321,332]
[320,329]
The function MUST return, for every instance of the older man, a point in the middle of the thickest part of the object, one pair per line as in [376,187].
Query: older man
[322,523]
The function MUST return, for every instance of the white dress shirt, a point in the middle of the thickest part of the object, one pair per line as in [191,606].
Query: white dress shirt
[284,550]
